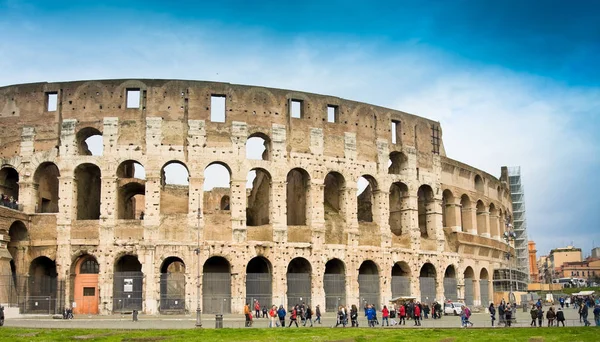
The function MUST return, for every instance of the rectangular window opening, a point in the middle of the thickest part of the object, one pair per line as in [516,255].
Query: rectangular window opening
[332,114]
[435,139]
[133,98]
[217,108]
[396,132]
[52,101]
[89,291]
[296,109]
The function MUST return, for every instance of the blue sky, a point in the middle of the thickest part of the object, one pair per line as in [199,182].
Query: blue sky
[512,82]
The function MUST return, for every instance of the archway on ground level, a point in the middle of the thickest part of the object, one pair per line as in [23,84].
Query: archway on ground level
[259,284]
[172,285]
[484,287]
[469,276]
[299,276]
[450,284]
[400,279]
[43,287]
[45,181]
[334,284]
[427,280]
[85,285]
[216,286]
[368,284]
[128,283]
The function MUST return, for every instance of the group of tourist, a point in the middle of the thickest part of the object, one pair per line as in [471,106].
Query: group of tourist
[277,315]
[9,202]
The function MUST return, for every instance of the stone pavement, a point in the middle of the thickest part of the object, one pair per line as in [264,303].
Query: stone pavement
[237,321]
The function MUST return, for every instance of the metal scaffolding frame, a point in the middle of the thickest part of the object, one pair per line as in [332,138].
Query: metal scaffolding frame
[517,195]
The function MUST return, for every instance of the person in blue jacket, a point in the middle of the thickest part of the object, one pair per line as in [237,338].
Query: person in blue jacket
[371,315]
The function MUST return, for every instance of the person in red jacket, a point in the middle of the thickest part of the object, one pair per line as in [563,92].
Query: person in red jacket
[293,317]
[402,314]
[417,315]
[385,313]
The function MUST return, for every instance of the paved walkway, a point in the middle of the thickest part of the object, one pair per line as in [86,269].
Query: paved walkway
[237,321]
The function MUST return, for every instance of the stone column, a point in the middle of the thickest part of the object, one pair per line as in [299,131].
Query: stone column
[238,210]
[476,293]
[381,216]
[349,207]
[483,224]
[495,231]
[150,300]
[195,207]
[108,208]
[453,212]
[469,220]
[152,207]
[278,210]
[315,212]
[410,221]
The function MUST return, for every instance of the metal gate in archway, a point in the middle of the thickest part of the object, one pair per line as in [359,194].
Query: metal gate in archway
[427,287]
[216,293]
[172,292]
[335,291]
[127,291]
[469,296]
[450,289]
[259,287]
[298,288]
[484,290]
[368,288]
[400,286]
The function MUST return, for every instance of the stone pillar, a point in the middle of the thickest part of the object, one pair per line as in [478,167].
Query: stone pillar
[147,261]
[195,207]
[67,203]
[152,207]
[495,231]
[279,210]
[381,215]
[317,286]
[476,293]
[410,221]
[469,220]
[349,207]
[108,208]
[453,212]
[238,210]
[483,224]
[315,211]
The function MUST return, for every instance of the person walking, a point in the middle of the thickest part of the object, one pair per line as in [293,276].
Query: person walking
[371,316]
[550,316]
[247,314]
[354,316]
[281,315]
[533,313]
[584,314]
[417,315]
[385,315]
[501,315]
[597,315]
[308,316]
[273,321]
[318,314]
[402,315]
[508,315]
[560,317]
[256,308]
[540,316]
[492,311]
[293,317]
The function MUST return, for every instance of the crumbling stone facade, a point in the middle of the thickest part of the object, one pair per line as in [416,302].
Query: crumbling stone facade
[349,202]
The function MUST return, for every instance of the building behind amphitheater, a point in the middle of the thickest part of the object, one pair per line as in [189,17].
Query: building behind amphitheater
[346,203]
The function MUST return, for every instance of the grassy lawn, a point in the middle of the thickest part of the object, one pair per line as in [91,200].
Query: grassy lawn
[320,334]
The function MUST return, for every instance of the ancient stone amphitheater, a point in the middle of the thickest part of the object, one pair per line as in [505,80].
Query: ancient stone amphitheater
[312,198]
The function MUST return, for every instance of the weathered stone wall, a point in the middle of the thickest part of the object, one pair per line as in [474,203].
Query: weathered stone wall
[172,123]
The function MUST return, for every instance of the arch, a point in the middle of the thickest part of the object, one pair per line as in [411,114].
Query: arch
[43,286]
[427,282]
[174,194]
[46,185]
[469,276]
[89,142]
[87,189]
[334,284]
[217,190]
[258,147]
[297,194]
[259,281]
[448,209]
[216,285]
[131,169]
[333,193]
[258,209]
[367,186]
[494,227]
[17,232]
[450,283]
[398,201]
[225,203]
[85,285]
[9,186]
[172,285]
[484,287]
[400,279]
[128,282]
[398,161]
[299,276]
[426,211]
[478,183]
[466,213]
[368,283]
[131,201]
[482,224]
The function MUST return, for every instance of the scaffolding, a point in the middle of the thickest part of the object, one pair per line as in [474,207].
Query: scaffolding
[517,195]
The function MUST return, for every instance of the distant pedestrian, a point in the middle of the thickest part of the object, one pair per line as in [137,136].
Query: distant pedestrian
[281,314]
[293,317]
[550,316]
[540,316]
[417,315]
[354,315]
[308,316]
[533,313]
[492,311]
[584,314]
[273,321]
[371,316]
[247,314]
[385,315]
[256,308]
[560,317]
[318,314]
[508,313]
[135,315]
[402,315]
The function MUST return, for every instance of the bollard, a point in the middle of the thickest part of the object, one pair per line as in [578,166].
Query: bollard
[218,321]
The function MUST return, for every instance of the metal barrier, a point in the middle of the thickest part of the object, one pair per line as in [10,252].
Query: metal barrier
[427,286]
[469,295]
[450,288]
[368,290]
[127,291]
[335,291]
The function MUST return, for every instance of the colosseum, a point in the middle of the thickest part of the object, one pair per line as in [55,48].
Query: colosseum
[108,204]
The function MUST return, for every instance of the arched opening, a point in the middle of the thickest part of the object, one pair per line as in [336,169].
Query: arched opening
[427,279]
[400,279]
[466,213]
[258,147]
[399,219]
[426,211]
[87,191]
[259,281]
[43,287]
[367,186]
[334,284]
[299,275]
[469,276]
[494,228]
[85,285]
[225,202]
[89,142]
[17,233]
[45,181]
[368,284]
[334,198]
[128,284]
[258,190]
[478,183]
[9,187]
[297,193]
[481,218]
[217,190]
[448,212]
[216,286]
[484,287]
[17,247]
[450,284]
[132,190]
[172,285]
[397,162]
[174,194]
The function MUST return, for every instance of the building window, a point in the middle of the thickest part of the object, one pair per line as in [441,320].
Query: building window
[51,102]
[296,110]
[435,139]
[90,266]
[89,291]
[396,132]
[133,98]
[332,114]
[217,108]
